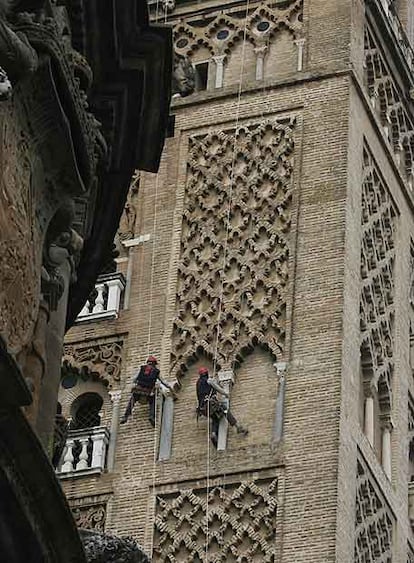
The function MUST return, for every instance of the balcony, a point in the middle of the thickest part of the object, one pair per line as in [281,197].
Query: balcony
[105,301]
[85,452]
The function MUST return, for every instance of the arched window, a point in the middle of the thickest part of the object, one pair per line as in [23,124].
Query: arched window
[85,411]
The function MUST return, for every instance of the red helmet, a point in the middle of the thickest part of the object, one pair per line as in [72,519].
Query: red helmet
[152,360]
[203,371]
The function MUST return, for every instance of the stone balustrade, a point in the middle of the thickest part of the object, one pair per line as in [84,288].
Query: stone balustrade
[105,301]
[85,452]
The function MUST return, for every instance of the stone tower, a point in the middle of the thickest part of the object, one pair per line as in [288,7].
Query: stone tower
[275,247]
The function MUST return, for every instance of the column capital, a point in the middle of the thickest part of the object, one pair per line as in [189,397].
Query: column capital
[386,422]
[261,50]
[281,368]
[226,376]
[115,396]
[299,42]
[219,58]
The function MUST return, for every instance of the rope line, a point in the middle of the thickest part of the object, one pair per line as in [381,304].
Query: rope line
[225,251]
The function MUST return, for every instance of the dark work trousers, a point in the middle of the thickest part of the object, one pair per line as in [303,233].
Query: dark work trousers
[216,411]
[151,406]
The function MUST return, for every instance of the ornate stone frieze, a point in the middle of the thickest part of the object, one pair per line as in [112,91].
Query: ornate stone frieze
[233,269]
[225,29]
[374,520]
[101,360]
[377,309]
[89,516]
[239,519]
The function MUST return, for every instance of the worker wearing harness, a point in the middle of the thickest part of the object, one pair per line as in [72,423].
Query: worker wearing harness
[210,405]
[143,389]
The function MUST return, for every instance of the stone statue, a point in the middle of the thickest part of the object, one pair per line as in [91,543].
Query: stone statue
[168,5]
[183,82]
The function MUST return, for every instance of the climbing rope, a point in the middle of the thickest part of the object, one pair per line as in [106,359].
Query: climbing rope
[225,251]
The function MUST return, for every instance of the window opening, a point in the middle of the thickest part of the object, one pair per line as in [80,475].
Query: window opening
[201,76]
[87,413]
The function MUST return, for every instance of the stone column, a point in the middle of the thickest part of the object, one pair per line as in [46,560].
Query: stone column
[260,55]
[167,420]
[386,427]
[280,368]
[226,380]
[300,44]
[219,60]
[116,404]
[369,419]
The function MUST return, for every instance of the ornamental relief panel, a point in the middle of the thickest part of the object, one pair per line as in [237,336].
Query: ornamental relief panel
[377,308]
[233,269]
[89,513]
[97,360]
[20,246]
[226,29]
[374,521]
[233,521]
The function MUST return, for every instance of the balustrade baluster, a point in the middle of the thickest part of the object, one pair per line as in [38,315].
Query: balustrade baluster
[83,456]
[68,457]
[99,301]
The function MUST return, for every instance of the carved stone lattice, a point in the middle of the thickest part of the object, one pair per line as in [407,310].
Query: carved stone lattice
[388,104]
[234,247]
[241,523]
[90,517]
[377,272]
[101,360]
[374,521]
[225,29]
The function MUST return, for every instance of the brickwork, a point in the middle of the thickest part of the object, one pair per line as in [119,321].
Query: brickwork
[333,127]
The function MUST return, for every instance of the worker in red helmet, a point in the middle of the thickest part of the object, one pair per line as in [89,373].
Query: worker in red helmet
[144,389]
[211,406]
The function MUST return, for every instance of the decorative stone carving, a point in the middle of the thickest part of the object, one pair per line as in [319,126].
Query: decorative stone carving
[90,517]
[183,81]
[227,28]
[241,522]
[104,548]
[100,360]
[377,297]
[129,217]
[389,106]
[374,521]
[168,5]
[233,268]
[20,249]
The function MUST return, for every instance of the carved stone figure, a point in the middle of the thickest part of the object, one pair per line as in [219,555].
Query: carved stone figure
[168,5]
[104,548]
[183,82]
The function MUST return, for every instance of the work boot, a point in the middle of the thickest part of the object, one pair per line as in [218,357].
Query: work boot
[242,430]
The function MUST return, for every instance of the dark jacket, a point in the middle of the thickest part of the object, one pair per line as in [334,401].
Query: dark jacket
[204,389]
[147,376]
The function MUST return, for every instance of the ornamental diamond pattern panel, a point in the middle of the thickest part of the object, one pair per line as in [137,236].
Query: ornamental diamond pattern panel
[233,269]
[374,521]
[239,518]
[377,272]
